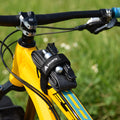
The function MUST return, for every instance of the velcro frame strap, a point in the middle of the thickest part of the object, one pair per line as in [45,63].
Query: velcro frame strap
[53,61]
[58,59]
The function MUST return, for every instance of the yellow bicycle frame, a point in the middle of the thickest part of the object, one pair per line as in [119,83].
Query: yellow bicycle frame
[24,67]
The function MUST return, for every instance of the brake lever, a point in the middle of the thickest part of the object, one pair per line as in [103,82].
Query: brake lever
[107,26]
[97,26]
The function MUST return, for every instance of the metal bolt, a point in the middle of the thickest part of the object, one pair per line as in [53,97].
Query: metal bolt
[58,69]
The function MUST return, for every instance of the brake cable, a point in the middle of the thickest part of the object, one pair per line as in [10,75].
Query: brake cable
[80,28]
[7,48]
[59,28]
[54,32]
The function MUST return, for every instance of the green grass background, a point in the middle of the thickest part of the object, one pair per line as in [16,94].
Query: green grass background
[99,91]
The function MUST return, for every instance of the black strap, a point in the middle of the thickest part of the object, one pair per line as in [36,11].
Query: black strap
[48,66]
[53,61]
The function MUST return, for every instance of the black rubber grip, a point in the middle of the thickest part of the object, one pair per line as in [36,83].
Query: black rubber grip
[12,20]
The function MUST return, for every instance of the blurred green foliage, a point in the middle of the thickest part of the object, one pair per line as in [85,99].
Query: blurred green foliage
[94,58]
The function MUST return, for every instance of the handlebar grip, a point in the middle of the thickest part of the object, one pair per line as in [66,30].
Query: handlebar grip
[116,12]
[9,20]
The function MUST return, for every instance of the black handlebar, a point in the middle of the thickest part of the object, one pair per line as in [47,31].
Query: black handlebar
[57,17]
[13,20]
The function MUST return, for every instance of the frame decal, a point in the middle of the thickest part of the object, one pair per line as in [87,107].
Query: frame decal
[76,105]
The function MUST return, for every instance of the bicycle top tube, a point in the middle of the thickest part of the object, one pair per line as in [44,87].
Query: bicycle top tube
[13,20]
